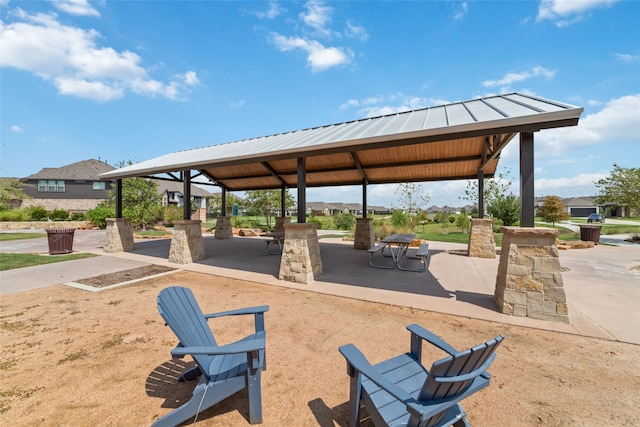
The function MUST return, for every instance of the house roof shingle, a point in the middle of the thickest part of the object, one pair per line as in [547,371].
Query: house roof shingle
[87,170]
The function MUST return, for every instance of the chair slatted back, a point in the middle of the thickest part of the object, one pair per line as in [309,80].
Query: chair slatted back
[181,312]
[440,385]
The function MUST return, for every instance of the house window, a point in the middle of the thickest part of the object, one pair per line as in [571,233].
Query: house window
[98,185]
[51,185]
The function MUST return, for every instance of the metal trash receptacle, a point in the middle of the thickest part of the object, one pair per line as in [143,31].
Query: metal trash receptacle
[60,240]
[590,233]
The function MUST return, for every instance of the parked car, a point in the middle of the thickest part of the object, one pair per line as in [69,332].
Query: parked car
[595,217]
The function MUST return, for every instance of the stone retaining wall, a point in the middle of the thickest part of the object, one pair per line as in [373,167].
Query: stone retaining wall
[44,225]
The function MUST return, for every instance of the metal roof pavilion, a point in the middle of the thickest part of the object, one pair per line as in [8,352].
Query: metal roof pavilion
[462,140]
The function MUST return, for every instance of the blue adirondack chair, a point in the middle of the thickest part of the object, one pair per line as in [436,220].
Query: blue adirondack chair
[224,370]
[401,392]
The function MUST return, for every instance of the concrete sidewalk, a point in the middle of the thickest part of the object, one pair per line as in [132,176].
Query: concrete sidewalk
[602,284]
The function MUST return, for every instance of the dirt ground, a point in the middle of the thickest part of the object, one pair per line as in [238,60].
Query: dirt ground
[76,358]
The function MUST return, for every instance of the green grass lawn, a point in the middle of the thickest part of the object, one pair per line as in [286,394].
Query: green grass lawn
[20,236]
[11,261]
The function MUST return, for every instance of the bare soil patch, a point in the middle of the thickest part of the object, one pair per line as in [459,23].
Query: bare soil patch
[72,357]
[124,276]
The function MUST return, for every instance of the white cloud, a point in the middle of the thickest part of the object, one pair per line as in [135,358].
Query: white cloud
[627,57]
[271,13]
[70,58]
[76,7]
[237,104]
[356,31]
[617,121]
[567,12]
[17,129]
[576,186]
[317,16]
[190,78]
[319,57]
[461,10]
[510,78]
[395,103]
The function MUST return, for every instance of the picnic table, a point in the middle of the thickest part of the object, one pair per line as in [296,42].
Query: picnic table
[402,243]
[276,237]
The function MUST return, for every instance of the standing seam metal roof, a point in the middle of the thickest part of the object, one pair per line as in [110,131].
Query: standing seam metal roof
[474,132]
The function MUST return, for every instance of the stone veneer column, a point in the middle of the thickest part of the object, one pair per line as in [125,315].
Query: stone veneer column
[365,238]
[300,261]
[281,221]
[118,236]
[223,228]
[529,281]
[187,245]
[481,242]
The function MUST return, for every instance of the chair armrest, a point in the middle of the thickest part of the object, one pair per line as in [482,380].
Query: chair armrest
[257,311]
[240,311]
[358,363]
[431,338]
[235,348]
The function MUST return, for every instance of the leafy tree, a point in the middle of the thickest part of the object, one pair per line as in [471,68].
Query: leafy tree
[266,202]
[506,208]
[442,217]
[98,216]
[11,191]
[345,221]
[463,221]
[215,203]
[553,210]
[494,188]
[399,219]
[411,199]
[141,201]
[621,188]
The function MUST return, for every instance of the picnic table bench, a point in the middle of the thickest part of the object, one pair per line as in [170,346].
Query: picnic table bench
[276,237]
[402,241]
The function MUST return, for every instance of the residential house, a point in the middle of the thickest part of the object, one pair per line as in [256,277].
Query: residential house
[333,208]
[75,187]
[575,206]
[173,194]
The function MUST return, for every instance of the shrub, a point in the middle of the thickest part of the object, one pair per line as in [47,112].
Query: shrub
[315,220]
[59,215]
[78,216]
[497,223]
[346,221]
[442,218]
[14,215]
[463,221]
[99,215]
[172,213]
[37,213]
[399,219]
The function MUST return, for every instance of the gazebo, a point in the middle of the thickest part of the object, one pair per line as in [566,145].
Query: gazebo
[461,140]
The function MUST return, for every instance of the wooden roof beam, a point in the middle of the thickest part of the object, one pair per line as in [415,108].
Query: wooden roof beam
[275,174]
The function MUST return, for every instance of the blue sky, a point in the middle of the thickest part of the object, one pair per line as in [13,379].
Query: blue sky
[133,80]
